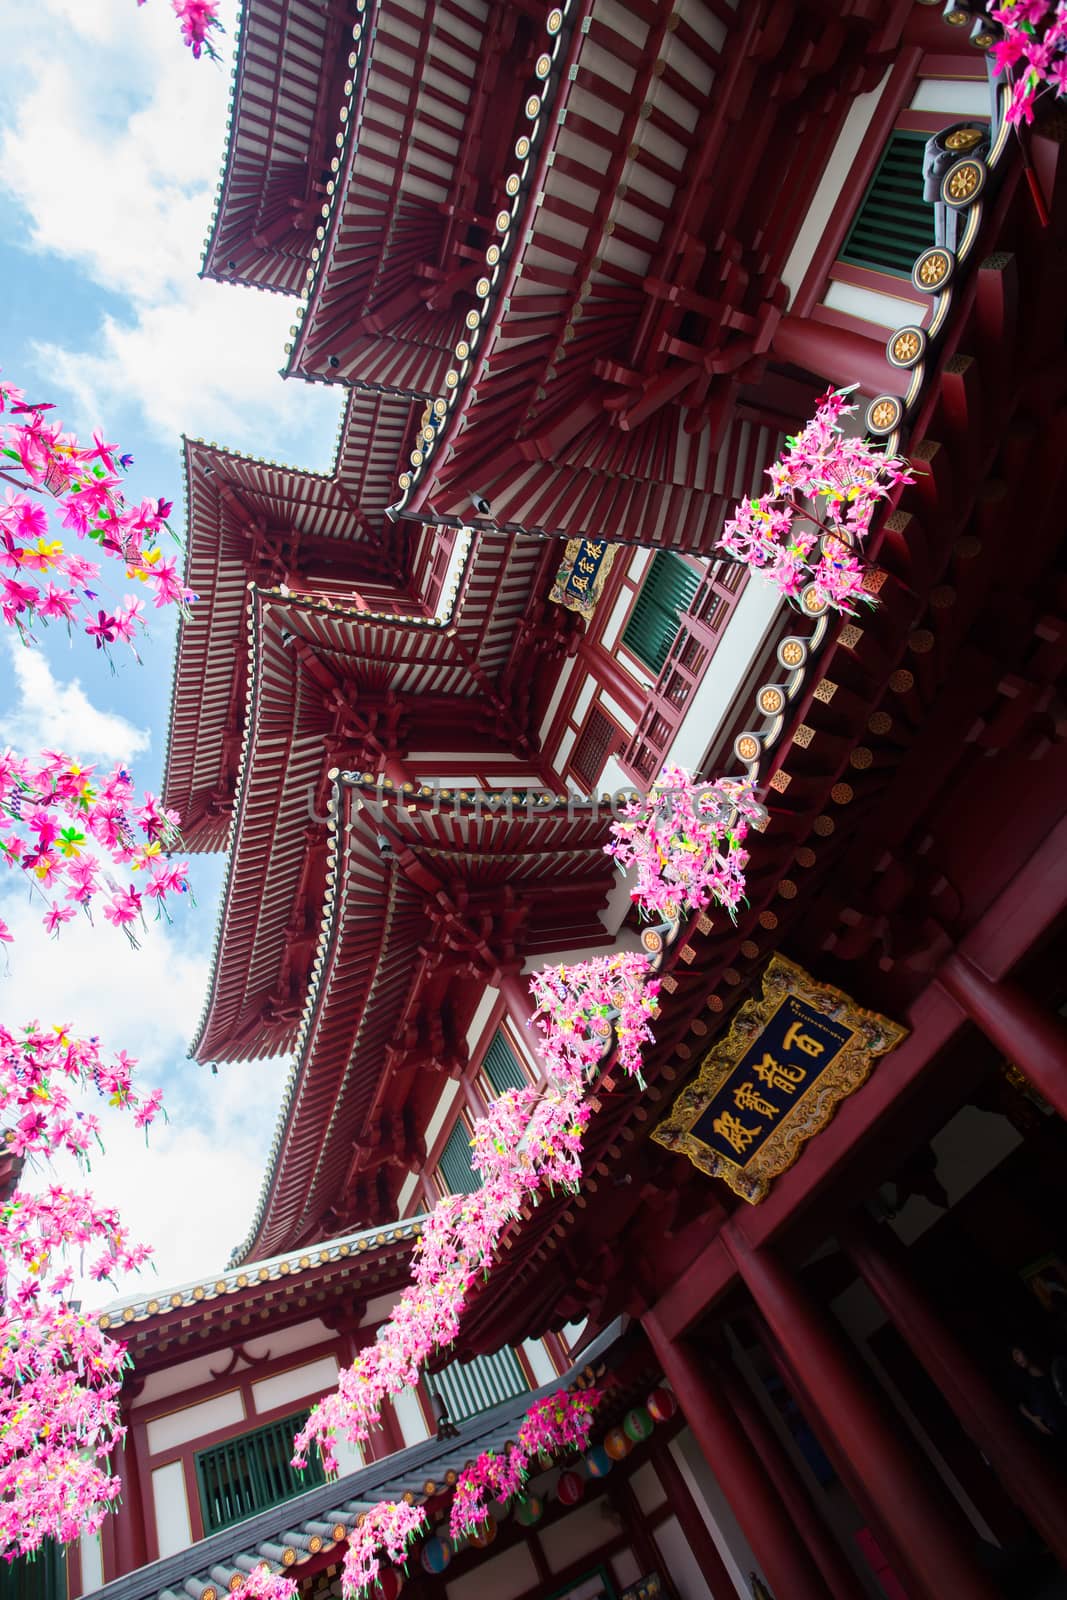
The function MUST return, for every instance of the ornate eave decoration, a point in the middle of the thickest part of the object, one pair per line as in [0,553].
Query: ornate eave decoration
[765,1109]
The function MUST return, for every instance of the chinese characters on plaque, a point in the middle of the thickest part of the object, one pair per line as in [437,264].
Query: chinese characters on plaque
[582,575]
[776,1079]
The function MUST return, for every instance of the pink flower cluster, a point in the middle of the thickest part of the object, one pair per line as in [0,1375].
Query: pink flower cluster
[388,1527]
[1033,52]
[198,19]
[810,527]
[586,1009]
[686,842]
[59,1375]
[559,1422]
[263,1584]
[64,828]
[42,580]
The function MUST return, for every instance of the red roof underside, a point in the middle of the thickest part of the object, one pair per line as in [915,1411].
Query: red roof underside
[387,965]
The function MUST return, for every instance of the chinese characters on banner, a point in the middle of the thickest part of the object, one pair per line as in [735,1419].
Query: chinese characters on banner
[583,572]
[775,1080]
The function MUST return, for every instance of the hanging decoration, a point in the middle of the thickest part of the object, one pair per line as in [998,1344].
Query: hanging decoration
[528,1512]
[806,534]
[598,1462]
[199,20]
[389,1528]
[638,1424]
[661,1405]
[436,1554]
[263,1584]
[570,1488]
[618,1444]
[586,1010]
[685,840]
[1032,53]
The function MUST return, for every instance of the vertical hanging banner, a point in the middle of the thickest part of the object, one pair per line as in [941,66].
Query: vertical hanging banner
[582,574]
[775,1080]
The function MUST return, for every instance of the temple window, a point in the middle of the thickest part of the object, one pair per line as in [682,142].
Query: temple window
[894,223]
[664,598]
[42,1576]
[252,1473]
[475,1386]
[599,739]
[501,1067]
[455,1171]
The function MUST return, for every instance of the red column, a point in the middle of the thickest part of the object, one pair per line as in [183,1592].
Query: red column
[839,355]
[786,1564]
[827,1554]
[131,1550]
[1029,1034]
[1027,1477]
[909,1500]
[697,1534]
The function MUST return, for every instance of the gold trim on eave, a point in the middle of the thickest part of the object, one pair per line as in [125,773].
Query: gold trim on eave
[869,1036]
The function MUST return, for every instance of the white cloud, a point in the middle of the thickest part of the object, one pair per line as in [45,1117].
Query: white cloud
[50,715]
[111,149]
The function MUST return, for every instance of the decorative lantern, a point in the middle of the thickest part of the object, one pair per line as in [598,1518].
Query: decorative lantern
[436,1554]
[662,1405]
[638,1424]
[598,1462]
[570,1488]
[529,1511]
[483,1534]
[618,1444]
[389,1584]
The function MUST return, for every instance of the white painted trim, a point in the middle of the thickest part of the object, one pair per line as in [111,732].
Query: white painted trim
[884,310]
[174,1530]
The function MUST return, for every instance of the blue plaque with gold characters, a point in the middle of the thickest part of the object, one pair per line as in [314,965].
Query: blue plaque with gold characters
[776,1079]
[582,575]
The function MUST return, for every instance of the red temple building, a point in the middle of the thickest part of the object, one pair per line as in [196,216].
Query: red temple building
[576,272]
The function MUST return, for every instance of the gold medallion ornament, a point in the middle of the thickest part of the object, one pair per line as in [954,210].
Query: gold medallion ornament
[775,1079]
[770,700]
[747,747]
[883,414]
[791,653]
[964,139]
[933,269]
[906,347]
[963,182]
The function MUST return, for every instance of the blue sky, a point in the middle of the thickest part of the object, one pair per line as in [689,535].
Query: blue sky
[110,150]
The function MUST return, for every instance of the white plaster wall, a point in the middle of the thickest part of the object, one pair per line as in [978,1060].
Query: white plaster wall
[451,1087]
[173,1528]
[581,704]
[178,1427]
[609,634]
[680,1562]
[510,1573]
[92,1562]
[745,633]
[286,1341]
[826,195]
[960,97]
[540,1361]
[622,717]
[714,1508]
[557,695]
[638,562]
[647,1486]
[409,1415]
[378,1309]
[625,1568]
[298,1383]
[180,1378]
[572,1332]
[566,745]
[884,310]
[349,1456]
[407,1190]
[586,1529]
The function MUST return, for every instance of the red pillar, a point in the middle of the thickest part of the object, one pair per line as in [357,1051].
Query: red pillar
[1027,1477]
[827,1554]
[786,1564]
[839,355]
[697,1534]
[131,1549]
[1029,1034]
[910,1501]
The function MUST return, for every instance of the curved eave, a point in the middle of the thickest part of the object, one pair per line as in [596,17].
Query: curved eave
[365,971]
[407,168]
[289,76]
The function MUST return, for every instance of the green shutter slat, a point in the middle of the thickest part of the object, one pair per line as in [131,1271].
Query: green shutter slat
[252,1473]
[894,223]
[42,1576]
[501,1066]
[664,597]
[455,1163]
[479,1385]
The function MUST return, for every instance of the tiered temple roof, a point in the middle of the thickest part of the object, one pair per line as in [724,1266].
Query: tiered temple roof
[411,933]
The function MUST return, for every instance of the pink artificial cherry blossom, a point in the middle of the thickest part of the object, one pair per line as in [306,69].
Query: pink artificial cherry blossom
[1033,53]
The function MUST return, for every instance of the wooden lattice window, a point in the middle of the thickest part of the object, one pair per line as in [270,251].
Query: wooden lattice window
[664,598]
[455,1168]
[481,1384]
[252,1473]
[894,223]
[501,1066]
[593,746]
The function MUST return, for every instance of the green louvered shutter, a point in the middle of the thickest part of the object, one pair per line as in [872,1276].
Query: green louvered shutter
[501,1067]
[664,598]
[481,1384]
[42,1576]
[894,224]
[455,1165]
[252,1473]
